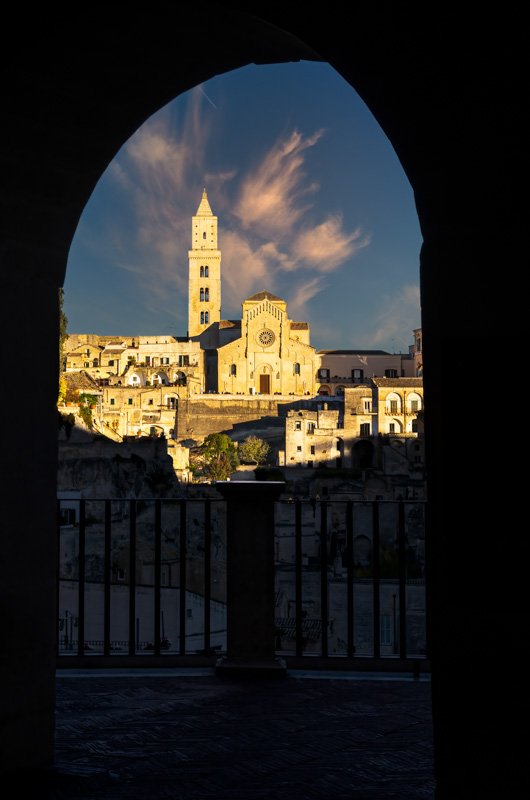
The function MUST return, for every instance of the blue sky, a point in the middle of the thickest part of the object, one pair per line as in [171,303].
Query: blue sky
[313,205]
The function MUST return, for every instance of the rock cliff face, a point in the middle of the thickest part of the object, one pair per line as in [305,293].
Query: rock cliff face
[98,467]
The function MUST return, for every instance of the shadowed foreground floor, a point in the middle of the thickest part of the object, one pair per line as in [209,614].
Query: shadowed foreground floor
[195,736]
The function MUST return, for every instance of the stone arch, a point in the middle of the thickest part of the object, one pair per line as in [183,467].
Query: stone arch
[421,98]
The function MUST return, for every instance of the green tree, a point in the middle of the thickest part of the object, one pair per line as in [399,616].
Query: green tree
[253,450]
[218,456]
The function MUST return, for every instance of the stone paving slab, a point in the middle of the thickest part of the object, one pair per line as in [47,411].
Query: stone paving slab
[179,737]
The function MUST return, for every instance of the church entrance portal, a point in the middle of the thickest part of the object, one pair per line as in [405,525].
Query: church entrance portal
[265,384]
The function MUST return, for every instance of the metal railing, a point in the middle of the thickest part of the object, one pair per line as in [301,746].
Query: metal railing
[146,578]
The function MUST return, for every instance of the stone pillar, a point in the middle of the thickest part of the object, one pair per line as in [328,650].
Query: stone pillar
[28,580]
[477,567]
[250,578]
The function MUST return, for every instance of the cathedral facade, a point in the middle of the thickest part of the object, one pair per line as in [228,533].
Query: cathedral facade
[263,353]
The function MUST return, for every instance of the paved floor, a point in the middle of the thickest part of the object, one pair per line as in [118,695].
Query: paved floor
[191,735]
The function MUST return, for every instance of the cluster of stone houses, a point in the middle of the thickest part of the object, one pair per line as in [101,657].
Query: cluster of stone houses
[230,372]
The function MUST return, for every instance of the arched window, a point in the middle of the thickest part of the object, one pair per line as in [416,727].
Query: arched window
[202,317]
[206,317]
[206,272]
[201,295]
[296,369]
[201,272]
[233,369]
[206,295]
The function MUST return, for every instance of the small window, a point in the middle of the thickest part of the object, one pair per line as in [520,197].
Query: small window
[201,295]
[206,272]
[392,428]
[129,401]
[233,369]
[298,425]
[296,369]
[150,401]
[310,427]
[204,235]
[357,375]
[206,317]
[393,407]
[367,406]
[111,362]
[206,295]
[391,373]
[112,401]
[364,429]
[312,449]
[299,448]
[414,406]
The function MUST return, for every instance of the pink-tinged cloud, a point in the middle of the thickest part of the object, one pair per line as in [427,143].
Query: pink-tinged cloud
[245,271]
[269,199]
[302,295]
[326,246]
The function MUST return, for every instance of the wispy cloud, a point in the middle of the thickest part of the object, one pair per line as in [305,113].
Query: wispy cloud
[303,294]
[326,246]
[267,227]
[392,329]
[273,197]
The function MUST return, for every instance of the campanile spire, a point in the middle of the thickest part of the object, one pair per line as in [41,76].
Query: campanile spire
[204,277]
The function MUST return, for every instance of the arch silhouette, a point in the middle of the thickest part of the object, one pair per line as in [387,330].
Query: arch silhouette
[451,96]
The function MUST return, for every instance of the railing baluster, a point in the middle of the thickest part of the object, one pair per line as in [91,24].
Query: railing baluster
[158,569]
[324,576]
[207,572]
[58,587]
[81,587]
[376,580]
[133,630]
[107,566]
[182,588]
[298,575]
[350,565]
[402,571]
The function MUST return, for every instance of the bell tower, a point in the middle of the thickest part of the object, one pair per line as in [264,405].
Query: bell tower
[204,277]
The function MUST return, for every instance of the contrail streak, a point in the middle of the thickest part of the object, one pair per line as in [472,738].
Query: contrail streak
[206,96]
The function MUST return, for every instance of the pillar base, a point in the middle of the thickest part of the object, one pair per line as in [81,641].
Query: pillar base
[251,667]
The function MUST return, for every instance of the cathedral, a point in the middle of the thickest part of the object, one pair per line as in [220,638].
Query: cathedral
[263,353]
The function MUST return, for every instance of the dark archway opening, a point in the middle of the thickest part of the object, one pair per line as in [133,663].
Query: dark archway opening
[452,99]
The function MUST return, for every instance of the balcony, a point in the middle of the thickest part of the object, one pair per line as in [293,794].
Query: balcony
[244,576]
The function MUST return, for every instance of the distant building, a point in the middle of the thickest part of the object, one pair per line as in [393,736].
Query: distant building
[144,379]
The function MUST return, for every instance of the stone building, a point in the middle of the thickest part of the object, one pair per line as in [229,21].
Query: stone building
[378,429]
[273,354]
[210,379]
